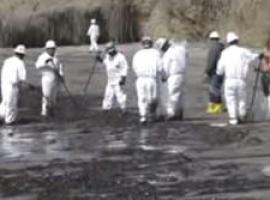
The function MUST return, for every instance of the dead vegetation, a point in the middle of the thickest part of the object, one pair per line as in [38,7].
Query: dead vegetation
[34,21]
[33,25]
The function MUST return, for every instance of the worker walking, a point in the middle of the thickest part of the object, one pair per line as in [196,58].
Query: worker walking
[173,60]
[93,33]
[117,69]
[215,104]
[233,65]
[146,65]
[52,75]
[13,77]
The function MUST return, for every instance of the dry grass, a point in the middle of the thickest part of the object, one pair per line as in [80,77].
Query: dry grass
[34,21]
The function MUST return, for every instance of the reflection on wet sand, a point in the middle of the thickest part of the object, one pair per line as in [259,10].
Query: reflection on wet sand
[154,162]
[13,145]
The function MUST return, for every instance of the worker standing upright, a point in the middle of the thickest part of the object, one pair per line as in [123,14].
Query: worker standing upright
[52,75]
[215,104]
[117,69]
[13,77]
[265,78]
[146,65]
[173,60]
[233,65]
[93,33]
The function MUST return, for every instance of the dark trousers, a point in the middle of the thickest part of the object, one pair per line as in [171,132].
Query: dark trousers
[265,81]
[215,89]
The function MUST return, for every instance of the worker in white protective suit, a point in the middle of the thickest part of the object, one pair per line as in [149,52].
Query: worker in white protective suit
[117,69]
[146,65]
[233,64]
[13,77]
[52,75]
[173,59]
[93,33]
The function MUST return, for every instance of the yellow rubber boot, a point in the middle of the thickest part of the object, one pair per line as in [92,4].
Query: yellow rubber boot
[210,108]
[218,108]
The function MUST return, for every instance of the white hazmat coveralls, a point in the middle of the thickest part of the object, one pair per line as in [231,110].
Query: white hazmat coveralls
[93,33]
[174,68]
[49,80]
[116,67]
[13,71]
[146,65]
[233,64]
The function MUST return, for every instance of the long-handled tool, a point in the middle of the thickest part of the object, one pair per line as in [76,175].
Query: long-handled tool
[91,73]
[71,97]
[62,80]
[250,114]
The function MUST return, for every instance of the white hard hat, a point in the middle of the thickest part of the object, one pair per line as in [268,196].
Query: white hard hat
[214,35]
[20,49]
[93,21]
[231,36]
[50,44]
[159,44]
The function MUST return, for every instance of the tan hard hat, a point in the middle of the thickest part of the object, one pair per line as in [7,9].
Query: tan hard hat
[214,35]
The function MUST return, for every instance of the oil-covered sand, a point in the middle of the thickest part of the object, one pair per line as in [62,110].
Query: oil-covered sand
[85,154]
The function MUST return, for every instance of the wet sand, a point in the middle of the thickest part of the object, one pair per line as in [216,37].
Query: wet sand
[85,154]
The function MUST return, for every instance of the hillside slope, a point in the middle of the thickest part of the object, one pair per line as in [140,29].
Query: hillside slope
[34,21]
